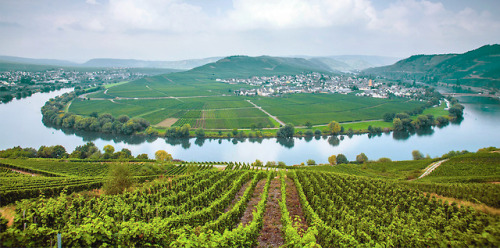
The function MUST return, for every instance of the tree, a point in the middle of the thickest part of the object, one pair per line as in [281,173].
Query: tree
[308,124]
[332,160]
[108,149]
[397,125]
[361,158]
[123,118]
[163,156]
[388,117]
[58,151]
[456,111]
[253,126]
[342,159]
[334,127]
[417,155]
[286,132]
[185,130]
[257,163]
[142,156]
[311,162]
[200,133]
[119,179]
[384,160]
[271,164]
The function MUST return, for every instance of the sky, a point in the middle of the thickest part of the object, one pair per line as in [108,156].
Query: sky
[79,30]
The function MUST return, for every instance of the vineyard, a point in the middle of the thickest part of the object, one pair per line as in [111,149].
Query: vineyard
[238,205]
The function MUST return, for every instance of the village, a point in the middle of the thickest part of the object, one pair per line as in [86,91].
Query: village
[19,84]
[13,78]
[321,83]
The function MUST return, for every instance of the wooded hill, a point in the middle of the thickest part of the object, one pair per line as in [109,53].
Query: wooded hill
[479,67]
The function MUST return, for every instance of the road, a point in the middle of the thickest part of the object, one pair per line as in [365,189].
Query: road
[265,112]
[432,167]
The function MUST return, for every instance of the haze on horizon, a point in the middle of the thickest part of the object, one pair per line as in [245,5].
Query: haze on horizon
[174,29]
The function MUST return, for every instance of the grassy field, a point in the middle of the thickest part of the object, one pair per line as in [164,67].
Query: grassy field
[228,112]
[196,98]
[321,109]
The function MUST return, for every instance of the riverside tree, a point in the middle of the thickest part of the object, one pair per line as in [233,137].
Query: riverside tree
[361,158]
[342,159]
[163,156]
[417,155]
[332,160]
[334,127]
[286,132]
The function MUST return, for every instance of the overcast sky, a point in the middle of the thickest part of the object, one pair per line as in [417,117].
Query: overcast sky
[79,30]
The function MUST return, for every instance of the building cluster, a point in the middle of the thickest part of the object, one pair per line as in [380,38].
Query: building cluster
[58,76]
[322,83]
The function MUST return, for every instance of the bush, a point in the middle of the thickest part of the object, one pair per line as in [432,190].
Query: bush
[417,155]
[119,179]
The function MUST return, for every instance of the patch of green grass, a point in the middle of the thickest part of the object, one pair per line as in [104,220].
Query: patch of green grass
[437,111]
[321,109]
[364,125]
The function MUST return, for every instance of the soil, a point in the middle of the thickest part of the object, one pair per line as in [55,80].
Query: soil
[252,204]
[270,234]
[238,196]
[8,212]
[479,207]
[167,122]
[24,172]
[294,207]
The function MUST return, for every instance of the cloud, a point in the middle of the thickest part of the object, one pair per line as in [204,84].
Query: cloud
[290,14]
[155,15]
[414,17]
[92,2]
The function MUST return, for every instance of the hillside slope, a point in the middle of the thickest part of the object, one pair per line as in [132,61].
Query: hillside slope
[479,67]
[244,66]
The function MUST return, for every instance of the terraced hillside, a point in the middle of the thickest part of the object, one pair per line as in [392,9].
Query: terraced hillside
[244,206]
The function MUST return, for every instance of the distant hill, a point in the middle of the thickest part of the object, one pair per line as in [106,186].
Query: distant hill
[479,67]
[29,64]
[350,63]
[20,60]
[133,63]
[245,66]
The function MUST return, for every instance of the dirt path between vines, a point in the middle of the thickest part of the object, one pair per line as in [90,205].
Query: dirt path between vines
[23,172]
[270,234]
[432,167]
[238,196]
[479,207]
[294,207]
[8,212]
[252,204]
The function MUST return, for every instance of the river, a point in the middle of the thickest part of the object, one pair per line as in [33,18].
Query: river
[21,125]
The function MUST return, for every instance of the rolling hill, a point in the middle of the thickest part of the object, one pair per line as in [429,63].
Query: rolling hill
[479,67]
[245,66]
[349,63]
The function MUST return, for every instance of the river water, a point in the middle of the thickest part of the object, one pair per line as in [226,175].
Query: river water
[21,125]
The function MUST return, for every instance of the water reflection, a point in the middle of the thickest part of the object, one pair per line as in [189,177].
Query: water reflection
[286,142]
[478,129]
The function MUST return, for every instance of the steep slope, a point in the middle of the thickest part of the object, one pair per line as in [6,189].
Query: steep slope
[479,67]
